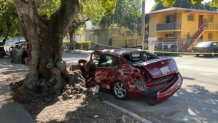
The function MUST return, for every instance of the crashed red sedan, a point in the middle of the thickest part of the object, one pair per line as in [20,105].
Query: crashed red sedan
[132,73]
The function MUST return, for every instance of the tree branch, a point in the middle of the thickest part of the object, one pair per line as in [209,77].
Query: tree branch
[62,19]
[76,24]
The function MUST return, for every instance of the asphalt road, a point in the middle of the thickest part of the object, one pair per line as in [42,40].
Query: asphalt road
[195,102]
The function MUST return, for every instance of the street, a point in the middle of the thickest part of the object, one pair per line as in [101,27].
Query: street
[195,102]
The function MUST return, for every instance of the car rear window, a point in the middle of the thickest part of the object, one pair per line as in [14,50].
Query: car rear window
[204,44]
[139,56]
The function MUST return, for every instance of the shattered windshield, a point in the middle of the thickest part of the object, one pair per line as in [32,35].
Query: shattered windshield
[139,57]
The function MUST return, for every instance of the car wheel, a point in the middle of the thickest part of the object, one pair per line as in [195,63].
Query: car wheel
[152,99]
[197,55]
[119,90]
[212,54]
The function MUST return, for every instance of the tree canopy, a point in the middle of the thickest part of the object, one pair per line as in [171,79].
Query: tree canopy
[169,3]
[126,14]
[89,9]
[186,4]
[9,23]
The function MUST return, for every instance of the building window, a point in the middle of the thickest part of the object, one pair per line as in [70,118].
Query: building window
[210,18]
[210,36]
[170,18]
[190,17]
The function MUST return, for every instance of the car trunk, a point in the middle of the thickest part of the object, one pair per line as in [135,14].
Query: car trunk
[160,71]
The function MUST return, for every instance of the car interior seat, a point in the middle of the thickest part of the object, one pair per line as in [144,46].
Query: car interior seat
[127,57]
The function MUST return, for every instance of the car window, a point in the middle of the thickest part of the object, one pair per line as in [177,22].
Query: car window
[136,56]
[215,44]
[107,61]
[139,56]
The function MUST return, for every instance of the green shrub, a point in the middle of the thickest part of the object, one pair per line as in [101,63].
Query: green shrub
[83,45]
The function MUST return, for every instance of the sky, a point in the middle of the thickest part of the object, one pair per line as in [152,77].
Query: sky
[150,3]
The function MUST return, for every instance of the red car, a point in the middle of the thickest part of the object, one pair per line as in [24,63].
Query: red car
[132,73]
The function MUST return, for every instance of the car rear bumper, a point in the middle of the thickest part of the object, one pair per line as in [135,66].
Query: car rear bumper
[168,91]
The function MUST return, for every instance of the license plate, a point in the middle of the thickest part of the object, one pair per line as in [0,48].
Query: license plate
[165,70]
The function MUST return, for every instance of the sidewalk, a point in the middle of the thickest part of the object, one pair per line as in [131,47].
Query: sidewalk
[10,112]
[6,65]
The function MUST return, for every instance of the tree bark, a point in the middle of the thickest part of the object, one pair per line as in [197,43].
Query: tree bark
[72,33]
[2,50]
[47,71]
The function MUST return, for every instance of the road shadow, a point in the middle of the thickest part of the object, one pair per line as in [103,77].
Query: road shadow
[6,65]
[193,105]
[198,103]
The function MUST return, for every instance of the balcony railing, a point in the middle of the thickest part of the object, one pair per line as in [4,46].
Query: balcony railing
[168,26]
[211,26]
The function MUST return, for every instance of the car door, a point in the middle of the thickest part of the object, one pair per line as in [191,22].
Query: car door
[106,69]
[214,47]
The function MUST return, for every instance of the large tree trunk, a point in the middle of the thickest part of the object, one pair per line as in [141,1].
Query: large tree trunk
[2,50]
[72,33]
[47,72]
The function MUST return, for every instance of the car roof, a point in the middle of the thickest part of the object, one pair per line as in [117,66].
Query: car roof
[120,51]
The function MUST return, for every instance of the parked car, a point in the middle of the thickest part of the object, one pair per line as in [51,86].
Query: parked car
[207,47]
[132,73]
[165,48]
[16,42]
[12,43]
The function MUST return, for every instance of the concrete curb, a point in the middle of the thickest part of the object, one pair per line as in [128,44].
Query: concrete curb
[127,112]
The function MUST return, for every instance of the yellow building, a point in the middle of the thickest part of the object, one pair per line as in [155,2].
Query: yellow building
[114,37]
[186,26]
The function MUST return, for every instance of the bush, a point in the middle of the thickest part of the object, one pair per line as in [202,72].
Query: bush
[83,45]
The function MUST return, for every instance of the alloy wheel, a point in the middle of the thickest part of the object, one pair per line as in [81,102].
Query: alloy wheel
[120,90]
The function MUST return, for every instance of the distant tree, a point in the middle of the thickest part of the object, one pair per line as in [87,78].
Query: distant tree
[185,4]
[9,23]
[126,15]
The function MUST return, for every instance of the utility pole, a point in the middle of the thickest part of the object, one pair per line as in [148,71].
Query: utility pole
[143,24]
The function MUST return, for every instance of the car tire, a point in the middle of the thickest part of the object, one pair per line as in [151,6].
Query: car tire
[119,90]
[212,54]
[152,99]
[197,55]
